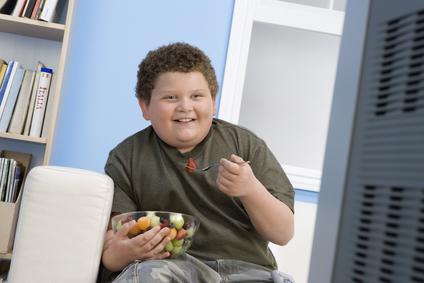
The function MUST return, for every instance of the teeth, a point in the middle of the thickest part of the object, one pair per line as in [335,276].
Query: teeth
[185,120]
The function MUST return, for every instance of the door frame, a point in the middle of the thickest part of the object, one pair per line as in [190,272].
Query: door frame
[245,14]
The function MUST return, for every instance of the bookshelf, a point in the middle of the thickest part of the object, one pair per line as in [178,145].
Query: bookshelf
[29,41]
[28,27]
[23,138]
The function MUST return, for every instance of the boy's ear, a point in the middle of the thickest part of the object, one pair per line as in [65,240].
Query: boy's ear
[144,108]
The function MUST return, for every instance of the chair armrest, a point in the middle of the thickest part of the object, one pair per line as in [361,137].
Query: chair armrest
[61,226]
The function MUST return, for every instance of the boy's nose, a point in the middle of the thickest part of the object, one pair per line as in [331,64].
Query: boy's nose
[185,105]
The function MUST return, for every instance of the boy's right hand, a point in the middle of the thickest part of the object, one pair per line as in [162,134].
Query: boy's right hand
[119,250]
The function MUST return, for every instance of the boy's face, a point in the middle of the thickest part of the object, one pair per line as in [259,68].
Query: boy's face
[181,109]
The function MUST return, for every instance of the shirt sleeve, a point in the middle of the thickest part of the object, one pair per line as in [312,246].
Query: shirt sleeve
[270,173]
[117,167]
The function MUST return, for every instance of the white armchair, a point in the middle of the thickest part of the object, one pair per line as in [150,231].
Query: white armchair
[62,221]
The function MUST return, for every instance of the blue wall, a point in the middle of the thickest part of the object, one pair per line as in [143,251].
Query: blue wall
[108,40]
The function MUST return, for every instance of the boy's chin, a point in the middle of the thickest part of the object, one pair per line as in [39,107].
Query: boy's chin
[184,143]
[185,146]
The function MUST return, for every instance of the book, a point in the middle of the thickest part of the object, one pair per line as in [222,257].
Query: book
[21,108]
[47,117]
[24,7]
[28,9]
[5,81]
[11,98]
[2,161]
[3,68]
[2,4]
[40,8]
[19,7]
[48,11]
[35,10]
[32,99]
[16,182]
[5,91]
[11,175]
[7,6]
[3,180]
[13,169]
[40,102]
[10,179]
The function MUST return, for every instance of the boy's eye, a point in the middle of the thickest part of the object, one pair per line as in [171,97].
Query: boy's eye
[170,97]
[197,95]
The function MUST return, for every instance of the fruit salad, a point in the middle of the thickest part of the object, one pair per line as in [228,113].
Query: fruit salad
[182,227]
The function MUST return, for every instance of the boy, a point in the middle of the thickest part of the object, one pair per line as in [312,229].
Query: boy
[240,206]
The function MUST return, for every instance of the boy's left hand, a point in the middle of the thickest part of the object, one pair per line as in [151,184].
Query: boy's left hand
[235,179]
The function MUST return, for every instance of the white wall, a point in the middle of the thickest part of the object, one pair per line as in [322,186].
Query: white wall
[295,256]
[288,89]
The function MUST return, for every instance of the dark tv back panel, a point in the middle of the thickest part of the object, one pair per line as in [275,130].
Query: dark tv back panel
[381,237]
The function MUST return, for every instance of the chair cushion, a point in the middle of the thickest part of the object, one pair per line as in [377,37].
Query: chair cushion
[61,226]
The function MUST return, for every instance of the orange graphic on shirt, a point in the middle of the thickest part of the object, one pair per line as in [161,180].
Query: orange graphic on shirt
[190,165]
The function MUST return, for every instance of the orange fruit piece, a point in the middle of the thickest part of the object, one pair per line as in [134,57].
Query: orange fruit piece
[143,223]
[172,233]
[135,230]
[181,234]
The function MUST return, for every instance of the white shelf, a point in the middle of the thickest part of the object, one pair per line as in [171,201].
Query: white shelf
[32,28]
[7,256]
[23,138]
[300,16]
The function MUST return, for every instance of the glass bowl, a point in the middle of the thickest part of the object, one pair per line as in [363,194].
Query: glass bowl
[182,227]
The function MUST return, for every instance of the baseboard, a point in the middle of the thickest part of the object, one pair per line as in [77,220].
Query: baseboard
[303,178]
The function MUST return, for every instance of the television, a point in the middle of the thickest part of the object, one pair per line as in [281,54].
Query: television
[370,216]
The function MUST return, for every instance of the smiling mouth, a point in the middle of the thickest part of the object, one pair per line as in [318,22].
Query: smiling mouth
[184,120]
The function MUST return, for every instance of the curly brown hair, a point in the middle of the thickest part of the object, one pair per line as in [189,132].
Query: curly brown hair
[175,57]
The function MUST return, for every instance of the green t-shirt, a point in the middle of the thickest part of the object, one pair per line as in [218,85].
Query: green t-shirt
[150,175]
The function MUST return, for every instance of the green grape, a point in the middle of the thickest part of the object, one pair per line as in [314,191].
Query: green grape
[150,213]
[119,225]
[169,247]
[154,220]
[178,220]
[177,243]
[190,232]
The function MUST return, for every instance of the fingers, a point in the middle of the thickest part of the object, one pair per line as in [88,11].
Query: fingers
[146,236]
[152,237]
[162,255]
[235,176]
[124,230]
[109,235]
[108,239]
[151,243]
[223,188]
[224,178]
[233,165]
[229,166]
[158,251]
[236,158]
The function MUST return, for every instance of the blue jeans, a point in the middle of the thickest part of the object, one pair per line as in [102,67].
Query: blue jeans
[188,269]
